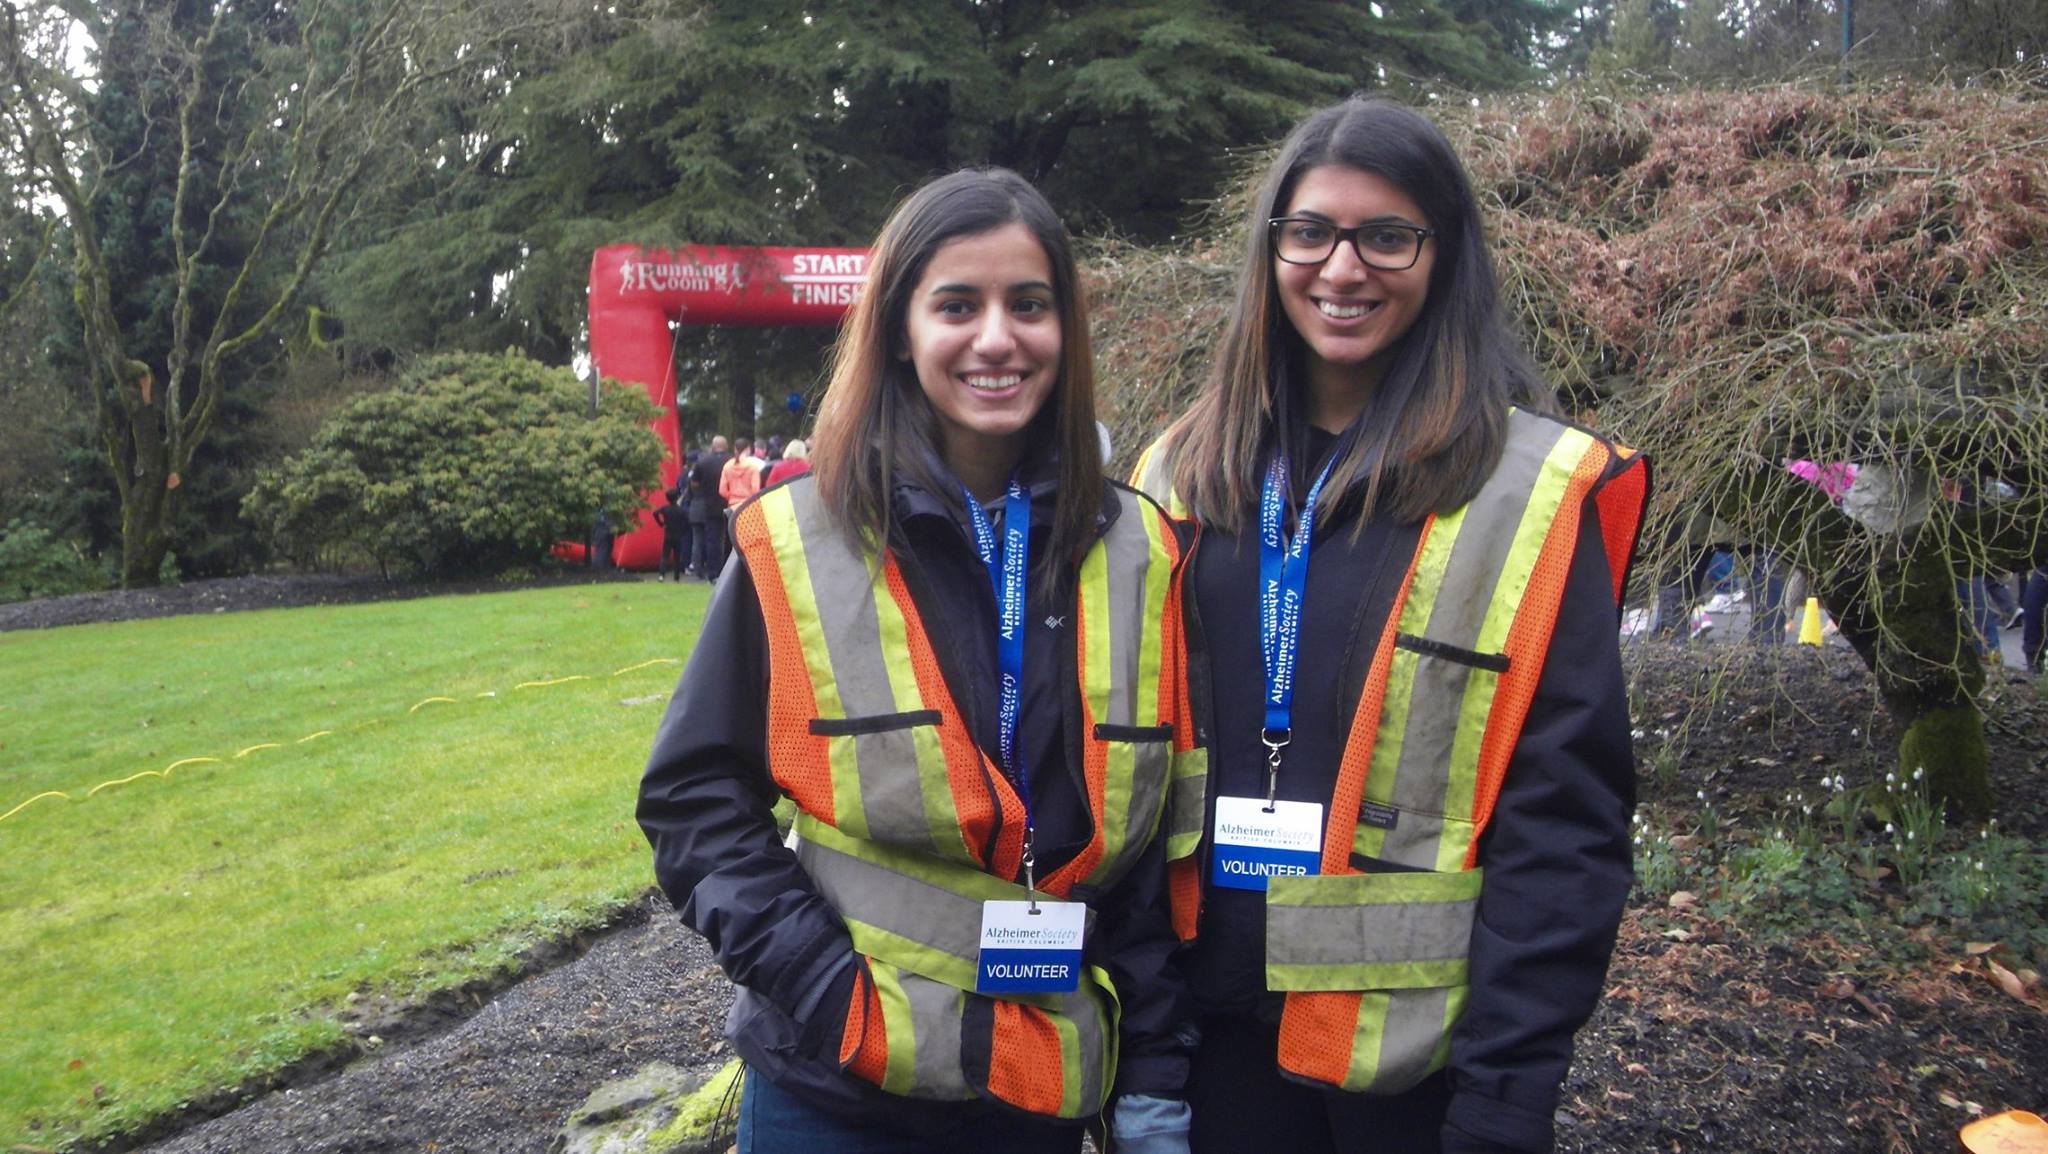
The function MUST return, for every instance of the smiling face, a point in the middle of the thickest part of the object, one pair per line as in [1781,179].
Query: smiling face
[1351,316]
[983,334]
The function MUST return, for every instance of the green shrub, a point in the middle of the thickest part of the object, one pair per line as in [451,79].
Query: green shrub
[473,464]
[35,562]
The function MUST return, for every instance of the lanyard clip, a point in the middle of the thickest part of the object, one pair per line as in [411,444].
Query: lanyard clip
[1030,869]
[1274,740]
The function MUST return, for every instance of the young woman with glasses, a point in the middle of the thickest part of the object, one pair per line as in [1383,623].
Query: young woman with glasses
[1417,840]
[957,650]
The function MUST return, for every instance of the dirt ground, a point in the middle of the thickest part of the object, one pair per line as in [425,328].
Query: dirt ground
[1714,1034]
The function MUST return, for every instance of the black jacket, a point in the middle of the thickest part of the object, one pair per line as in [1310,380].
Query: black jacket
[1556,853]
[674,519]
[704,499]
[706,796]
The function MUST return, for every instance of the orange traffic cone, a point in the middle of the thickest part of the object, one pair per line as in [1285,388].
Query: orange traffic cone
[1809,625]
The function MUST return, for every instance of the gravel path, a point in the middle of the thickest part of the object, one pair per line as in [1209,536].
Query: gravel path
[501,1081]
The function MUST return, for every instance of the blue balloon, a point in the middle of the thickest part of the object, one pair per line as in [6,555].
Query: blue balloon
[795,403]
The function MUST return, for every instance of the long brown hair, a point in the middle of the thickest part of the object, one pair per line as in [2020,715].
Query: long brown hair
[875,426]
[1433,430]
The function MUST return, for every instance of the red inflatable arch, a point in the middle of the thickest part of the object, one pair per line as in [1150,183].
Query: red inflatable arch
[637,295]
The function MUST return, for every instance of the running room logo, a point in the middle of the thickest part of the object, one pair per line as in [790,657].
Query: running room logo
[679,276]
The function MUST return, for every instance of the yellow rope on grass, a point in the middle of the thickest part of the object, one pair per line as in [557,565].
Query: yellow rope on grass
[35,799]
[166,771]
[556,681]
[648,662]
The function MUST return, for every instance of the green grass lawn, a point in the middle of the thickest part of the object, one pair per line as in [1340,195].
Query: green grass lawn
[176,934]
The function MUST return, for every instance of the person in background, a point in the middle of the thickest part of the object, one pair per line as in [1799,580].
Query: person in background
[739,480]
[959,651]
[674,520]
[1408,587]
[2033,608]
[709,508]
[741,477]
[795,460]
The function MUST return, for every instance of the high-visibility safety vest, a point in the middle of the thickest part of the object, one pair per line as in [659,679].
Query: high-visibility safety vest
[1373,965]
[906,826]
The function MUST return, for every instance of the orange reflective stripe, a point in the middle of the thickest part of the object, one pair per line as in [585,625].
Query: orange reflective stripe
[1365,727]
[864,1043]
[1173,664]
[800,759]
[1316,1030]
[1528,643]
[979,793]
[1024,1059]
[1184,895]
[1620,502]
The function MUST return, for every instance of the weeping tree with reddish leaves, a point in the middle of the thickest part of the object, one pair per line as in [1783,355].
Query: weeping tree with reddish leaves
[1733,281]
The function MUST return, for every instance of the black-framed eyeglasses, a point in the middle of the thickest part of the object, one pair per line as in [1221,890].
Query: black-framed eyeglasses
[1382,245]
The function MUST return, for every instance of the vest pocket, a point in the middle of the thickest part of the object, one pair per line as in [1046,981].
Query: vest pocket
[1492,662]
[873,723]
[1150,750]
[1051,1055]
[1374,969]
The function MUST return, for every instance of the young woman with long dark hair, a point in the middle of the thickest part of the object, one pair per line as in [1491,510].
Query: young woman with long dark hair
[958,651]
[1417,840]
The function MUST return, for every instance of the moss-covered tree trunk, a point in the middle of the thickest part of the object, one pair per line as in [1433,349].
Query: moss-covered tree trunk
[1906,623]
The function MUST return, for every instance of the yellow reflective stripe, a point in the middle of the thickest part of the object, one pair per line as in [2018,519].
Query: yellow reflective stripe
[1366,975]
[934,785]
[1144,464]
[1071,1061]
[1314,890]
[895,949]
[1545,496]
[899,1073]
[1185,801]
[1094,596]
[1153,476]
[1369,931]
[1151,636]
[785,537]
[1113,1035]
[1387,1039]
[1430,570]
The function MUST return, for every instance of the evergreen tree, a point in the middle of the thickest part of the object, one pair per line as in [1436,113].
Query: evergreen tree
[778,122]
[201,171]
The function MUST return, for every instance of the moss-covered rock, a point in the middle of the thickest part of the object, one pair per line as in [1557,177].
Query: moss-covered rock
[656,1110]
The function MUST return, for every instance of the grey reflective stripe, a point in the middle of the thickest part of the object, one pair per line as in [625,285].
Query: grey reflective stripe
[930,938]
[1412,1037]
[892,804]
[935,1009]
[1392,932]
[1085,1009]
[1129,568]
[1471,577]
[915,910]
[1129,555]
[1155,478]
[1185,802]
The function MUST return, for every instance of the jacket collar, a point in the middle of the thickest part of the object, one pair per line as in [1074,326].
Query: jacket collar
[1040,472]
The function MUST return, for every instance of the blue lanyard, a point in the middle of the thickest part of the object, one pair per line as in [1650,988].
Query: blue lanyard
[1006,565]
[1283,580]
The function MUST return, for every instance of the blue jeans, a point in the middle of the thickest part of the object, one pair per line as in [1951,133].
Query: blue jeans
[2034,604]
[775,1121]
[1978,616]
